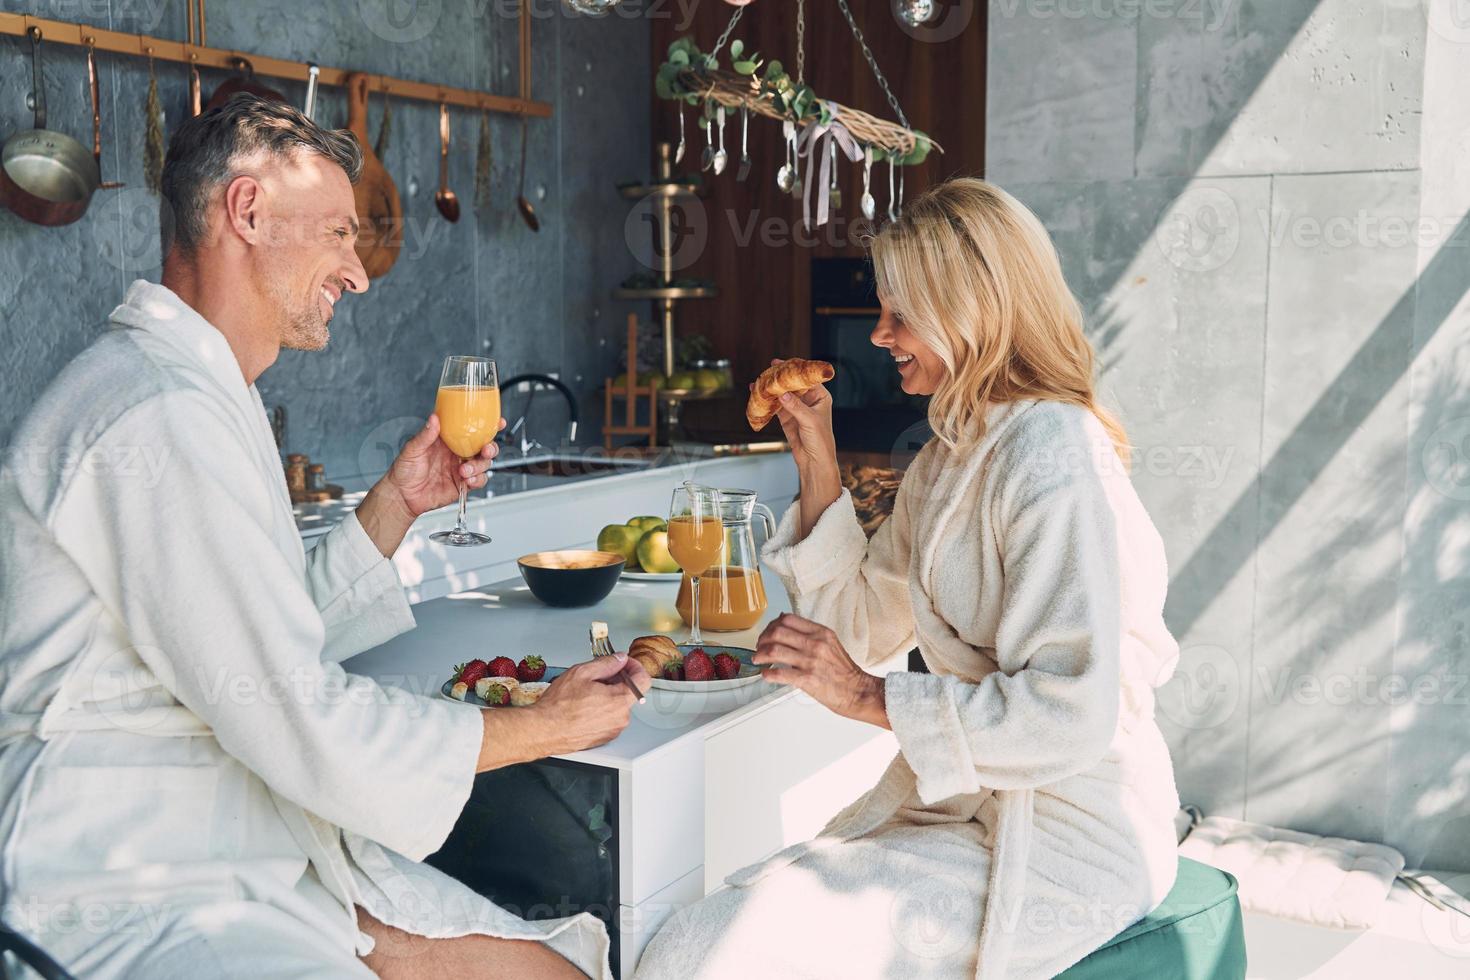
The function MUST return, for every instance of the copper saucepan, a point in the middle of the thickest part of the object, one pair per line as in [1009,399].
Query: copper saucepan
[47,177]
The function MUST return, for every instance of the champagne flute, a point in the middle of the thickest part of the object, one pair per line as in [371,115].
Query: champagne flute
[468,406]
[696,539]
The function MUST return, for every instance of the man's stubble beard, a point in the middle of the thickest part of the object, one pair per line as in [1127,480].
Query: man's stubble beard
[302,325]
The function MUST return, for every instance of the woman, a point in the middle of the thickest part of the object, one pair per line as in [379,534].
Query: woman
[1029,815]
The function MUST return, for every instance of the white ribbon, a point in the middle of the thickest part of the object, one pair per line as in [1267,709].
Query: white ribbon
[809,144]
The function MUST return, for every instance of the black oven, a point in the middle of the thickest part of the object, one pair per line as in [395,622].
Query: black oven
[870,412]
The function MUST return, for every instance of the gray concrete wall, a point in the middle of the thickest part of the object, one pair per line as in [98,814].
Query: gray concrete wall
[1262,205]
[536,302]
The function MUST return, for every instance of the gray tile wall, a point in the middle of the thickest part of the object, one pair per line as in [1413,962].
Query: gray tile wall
[536,302]
[1263,207]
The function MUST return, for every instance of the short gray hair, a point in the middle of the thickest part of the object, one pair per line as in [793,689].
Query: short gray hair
[206,149]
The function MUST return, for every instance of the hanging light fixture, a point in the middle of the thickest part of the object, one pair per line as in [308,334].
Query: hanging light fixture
[915,12]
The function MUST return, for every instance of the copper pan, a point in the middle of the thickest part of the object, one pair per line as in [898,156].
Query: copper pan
[47,177]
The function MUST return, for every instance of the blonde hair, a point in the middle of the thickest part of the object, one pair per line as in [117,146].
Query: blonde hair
[973,274]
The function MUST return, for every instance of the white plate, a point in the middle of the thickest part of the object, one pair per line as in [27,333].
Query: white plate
[749,672]
[652,576]
[472,698]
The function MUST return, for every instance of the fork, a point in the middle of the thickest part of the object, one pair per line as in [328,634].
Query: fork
[602,647]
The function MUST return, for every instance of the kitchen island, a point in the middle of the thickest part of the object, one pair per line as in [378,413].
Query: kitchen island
[633,830]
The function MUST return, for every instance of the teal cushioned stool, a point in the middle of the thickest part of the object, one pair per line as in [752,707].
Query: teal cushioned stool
[1196,934]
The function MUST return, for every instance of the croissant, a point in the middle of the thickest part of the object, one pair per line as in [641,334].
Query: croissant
[795,375]
[652,652]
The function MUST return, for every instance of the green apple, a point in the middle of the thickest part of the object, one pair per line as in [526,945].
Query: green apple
[649,523]
[620,539]
[653,553]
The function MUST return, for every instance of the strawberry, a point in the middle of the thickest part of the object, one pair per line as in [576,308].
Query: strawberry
[698,666]
[468,673]
[502,667]
[726,667]
[497,694]
[674,670]
[532,668]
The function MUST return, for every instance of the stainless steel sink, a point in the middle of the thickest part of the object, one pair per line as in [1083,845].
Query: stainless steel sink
[568,465]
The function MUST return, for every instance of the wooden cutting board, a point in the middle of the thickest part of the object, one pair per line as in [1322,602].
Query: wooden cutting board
[379,211]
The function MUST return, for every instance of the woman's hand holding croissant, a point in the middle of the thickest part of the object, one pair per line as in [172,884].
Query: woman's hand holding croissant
[806,421]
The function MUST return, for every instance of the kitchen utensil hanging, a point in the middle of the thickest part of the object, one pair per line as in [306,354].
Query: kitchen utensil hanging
[444,198]
[385,128]
[97,119]
[691,76]
[47,177]
[380,235]
[308,105]
[194,53]
[153,141]
[528,213]
[195,95]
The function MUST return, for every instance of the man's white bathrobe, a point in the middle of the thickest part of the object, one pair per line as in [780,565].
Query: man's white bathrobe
[1029,815]
[190,784]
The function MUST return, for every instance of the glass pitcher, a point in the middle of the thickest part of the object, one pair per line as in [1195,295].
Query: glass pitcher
[732,594]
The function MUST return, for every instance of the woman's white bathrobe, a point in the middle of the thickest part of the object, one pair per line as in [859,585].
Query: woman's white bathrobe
[190,784]
[1029,815]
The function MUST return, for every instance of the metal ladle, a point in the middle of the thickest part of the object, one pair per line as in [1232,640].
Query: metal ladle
[444,198]
[528,213]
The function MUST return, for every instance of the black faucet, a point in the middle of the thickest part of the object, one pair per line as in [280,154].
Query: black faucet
[545,379]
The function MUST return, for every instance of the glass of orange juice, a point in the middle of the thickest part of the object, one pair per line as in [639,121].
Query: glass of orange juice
[696,538]
[468,407]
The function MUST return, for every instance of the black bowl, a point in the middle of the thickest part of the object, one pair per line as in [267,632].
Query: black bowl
[571,578]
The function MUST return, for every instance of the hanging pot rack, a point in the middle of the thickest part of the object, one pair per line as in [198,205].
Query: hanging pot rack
[200,55]
[733,90]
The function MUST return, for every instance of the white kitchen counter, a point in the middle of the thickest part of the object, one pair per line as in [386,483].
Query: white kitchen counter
[547,514]
[504,618]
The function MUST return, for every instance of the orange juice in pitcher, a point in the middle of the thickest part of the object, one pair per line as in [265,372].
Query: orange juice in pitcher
[732,594]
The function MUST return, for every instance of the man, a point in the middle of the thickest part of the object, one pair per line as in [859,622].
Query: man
[190,785]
